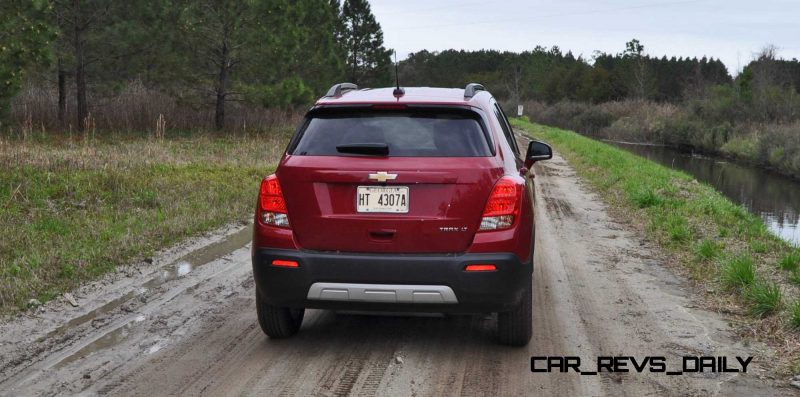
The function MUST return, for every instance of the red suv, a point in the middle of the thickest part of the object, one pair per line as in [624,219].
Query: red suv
[398,199]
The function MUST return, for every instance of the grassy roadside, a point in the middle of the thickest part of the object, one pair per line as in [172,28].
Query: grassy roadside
[72,210]
[745,269]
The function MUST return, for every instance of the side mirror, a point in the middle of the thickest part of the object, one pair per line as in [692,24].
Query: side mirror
[537,151]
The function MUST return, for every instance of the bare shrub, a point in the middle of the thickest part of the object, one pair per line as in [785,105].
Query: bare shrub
[629,120]
[161,127]
[561,114]
[780,147]
[135,108]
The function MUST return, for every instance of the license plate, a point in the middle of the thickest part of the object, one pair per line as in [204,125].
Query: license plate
[382,199]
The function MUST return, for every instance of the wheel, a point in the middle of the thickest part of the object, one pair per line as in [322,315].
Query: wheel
[278,322]
[515,327]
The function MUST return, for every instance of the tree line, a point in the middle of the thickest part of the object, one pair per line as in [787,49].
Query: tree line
[274,53]
[766,90]
[549,74]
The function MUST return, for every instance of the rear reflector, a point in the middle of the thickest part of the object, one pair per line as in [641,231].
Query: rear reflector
[480,268]
[285,263]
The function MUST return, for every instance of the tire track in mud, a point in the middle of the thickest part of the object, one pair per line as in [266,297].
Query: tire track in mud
[212,353]
[375,374]
[353,366]
[257,376]
[338,374]
[433,357]
[207,374]
[382,358]
[362,370]
[482,376]
[263,382]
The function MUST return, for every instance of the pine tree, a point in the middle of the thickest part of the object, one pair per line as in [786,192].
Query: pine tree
[24,41]
[642,83]
[105,41]
[319,56]
[221,43]
[369,62]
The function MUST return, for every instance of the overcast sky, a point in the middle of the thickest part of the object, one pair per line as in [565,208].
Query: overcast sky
[731,30]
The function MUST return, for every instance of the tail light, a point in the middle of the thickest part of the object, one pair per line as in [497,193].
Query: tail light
[503,205]
[271,204]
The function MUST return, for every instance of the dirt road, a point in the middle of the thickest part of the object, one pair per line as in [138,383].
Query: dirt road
[186,324]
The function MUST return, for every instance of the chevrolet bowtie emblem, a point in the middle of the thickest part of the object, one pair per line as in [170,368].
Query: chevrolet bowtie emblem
[382,176]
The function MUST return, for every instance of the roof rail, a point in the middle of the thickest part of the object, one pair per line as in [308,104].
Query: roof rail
[472,89]
[341,88]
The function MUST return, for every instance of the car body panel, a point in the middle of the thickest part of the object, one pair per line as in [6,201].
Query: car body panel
[443,193]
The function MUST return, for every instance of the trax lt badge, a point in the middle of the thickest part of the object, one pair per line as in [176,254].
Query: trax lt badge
[453,229]
[382,176]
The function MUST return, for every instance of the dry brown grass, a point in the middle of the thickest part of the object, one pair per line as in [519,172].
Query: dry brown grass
[646,110]
[60,153]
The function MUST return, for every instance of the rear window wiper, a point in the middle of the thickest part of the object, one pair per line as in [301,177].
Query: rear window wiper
[374,149]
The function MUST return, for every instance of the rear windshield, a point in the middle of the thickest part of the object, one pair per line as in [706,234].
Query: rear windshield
[417,134]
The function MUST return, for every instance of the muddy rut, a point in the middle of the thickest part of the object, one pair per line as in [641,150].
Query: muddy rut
[186,325]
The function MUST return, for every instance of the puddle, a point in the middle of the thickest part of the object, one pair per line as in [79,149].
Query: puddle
[179,268]
[74,322]
[155,348]
[108,340]
[183,268]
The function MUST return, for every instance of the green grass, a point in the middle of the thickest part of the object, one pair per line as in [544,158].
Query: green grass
[738,272]
[707,250]
[794,277]
[70,212]
[759,247]
[763,297]
[645,198]
[790,261]
[794,315]
[718,240]
[678,228]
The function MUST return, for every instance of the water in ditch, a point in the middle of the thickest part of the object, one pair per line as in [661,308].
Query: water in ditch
[773,197]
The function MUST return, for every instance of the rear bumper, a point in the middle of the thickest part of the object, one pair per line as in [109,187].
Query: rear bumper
[391,282]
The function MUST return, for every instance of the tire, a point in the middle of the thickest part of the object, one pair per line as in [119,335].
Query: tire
[515,327]
[278,322]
